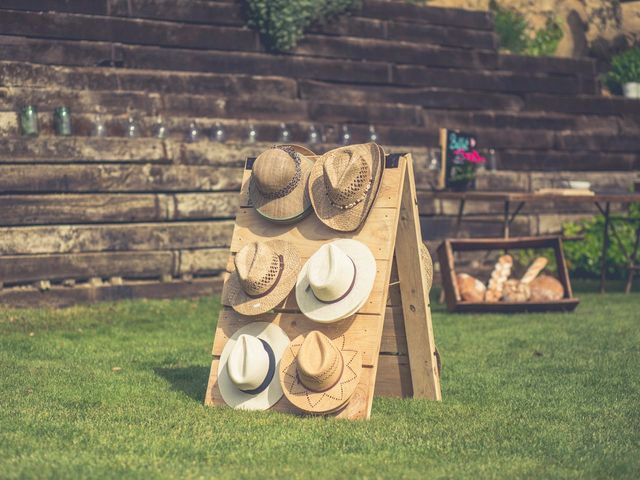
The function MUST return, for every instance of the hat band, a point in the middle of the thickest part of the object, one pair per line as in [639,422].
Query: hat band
[270,372]
[293,183]
[357,201]
[275,282]
[345,294]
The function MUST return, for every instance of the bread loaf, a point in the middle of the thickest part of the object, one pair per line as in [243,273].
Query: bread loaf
[515,291]
[534,269]
[546,288]
[499,276]
[471,289]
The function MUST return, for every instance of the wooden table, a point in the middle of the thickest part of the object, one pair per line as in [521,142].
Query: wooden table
[514,202]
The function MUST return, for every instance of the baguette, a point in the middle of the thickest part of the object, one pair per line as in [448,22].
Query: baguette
[499,276]
[534,270]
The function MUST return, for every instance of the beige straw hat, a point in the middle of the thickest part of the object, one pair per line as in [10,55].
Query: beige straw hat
[265,273]
[278,185]
[319,375]
[427,262]
[248,372]
[344,183]
[336,281]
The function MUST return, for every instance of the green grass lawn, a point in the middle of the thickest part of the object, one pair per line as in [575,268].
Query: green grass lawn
[116,390]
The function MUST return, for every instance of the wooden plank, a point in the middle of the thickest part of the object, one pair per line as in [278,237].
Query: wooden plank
[202,261]
[394,377]
[310,234]
[28,268]
[359,330]
[114,237]
[75,149]
[562,305]
[415,296]
[116,178]
[59,296]
[394,338]
[108,208]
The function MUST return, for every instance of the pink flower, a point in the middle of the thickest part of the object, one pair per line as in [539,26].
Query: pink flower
[471,157]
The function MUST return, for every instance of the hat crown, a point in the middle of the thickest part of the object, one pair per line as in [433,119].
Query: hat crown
[276,172]
[258,268]
[319,361]
[347,178]
[330,273]
[248,363]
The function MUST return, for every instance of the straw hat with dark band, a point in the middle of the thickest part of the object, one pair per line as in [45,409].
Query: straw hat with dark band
[265,273]
[278,185]
[319,375]
[343,185]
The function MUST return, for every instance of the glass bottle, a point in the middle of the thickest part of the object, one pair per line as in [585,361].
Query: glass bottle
[132,128]
[62,121]
[29,121]
[313,135]
[346,135]
[285,135]
[373,136]
[253,134]
[193,135]
[159,128]
[219,134]
[99,129]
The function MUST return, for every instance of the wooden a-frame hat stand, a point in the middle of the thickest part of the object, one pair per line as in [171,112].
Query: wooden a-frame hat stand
[392,330]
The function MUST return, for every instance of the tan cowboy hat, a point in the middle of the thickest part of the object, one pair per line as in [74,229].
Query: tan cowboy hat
[248,374]
[319,375]
[427,262]
[265,273]
[278,185]
[336,281]
[343,185]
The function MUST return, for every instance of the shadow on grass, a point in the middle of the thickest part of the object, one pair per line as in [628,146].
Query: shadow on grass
[190,380]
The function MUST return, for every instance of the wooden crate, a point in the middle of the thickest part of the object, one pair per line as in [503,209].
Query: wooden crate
[446,252]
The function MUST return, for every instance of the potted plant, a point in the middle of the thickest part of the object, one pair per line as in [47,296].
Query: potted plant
[463,169]
[625,71]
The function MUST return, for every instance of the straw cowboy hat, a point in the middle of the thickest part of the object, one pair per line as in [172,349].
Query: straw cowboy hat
[336,281]
[278,185]
[318,375]
[248,372]
[265,273]
[343,185]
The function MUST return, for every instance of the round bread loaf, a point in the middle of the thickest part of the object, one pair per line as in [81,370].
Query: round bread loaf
[515,291]
[546,288]
[471,289]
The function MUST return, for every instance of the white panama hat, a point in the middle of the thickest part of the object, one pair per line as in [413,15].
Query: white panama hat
[248,372]
[336,281]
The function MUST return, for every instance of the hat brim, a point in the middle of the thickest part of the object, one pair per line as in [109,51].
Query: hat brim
[236,398]
[242,303]
[346,220]
[330,400]
[322,312]
[292,206]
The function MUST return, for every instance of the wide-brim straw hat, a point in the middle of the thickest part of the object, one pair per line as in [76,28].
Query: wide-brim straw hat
[344,183]
[336,281]
[278,185]
[277,341]
[343,377]
[427,262]
[265,273]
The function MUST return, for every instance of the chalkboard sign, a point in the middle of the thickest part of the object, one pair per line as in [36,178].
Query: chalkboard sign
[460,159]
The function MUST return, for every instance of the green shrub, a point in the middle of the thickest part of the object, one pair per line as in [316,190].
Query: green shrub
[625,67]
[514,33]
[282,22]
[583,256]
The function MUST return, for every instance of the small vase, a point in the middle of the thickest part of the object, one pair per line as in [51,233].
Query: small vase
[631,89]
[462,185]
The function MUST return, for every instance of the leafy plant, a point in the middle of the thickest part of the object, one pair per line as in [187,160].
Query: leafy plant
[282,22]
[526,256]
[515,33]
[625,67]
[546,40]
[583,257]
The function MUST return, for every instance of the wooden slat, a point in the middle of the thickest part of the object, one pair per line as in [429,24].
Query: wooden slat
[310,234]
[114,237]
[358,330]
[59,296]
[394,377]
[394,338]
[107,208]
[28,268]
[112,178]
[415,296]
